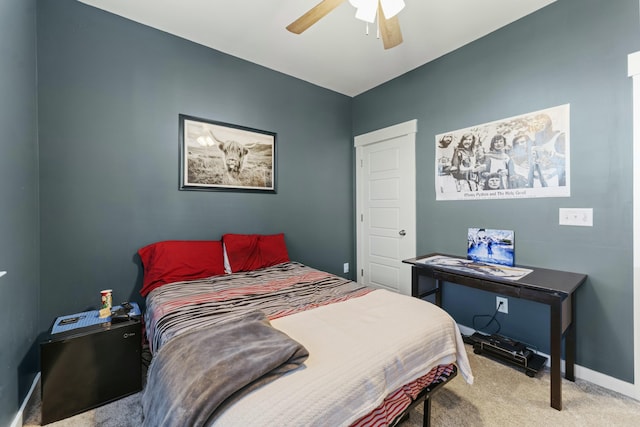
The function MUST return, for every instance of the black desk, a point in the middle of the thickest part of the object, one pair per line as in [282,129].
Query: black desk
[552,287]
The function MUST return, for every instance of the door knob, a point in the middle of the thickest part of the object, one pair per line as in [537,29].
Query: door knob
[402,233]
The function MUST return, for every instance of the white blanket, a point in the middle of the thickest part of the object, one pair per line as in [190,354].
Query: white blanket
[360,350]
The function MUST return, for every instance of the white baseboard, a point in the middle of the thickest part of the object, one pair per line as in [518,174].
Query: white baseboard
[611,383]
[18,421]
[586,374]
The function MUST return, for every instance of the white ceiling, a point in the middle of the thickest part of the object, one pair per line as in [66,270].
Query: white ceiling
[335,53]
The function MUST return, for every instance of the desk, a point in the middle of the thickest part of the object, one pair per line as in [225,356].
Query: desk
[552,287]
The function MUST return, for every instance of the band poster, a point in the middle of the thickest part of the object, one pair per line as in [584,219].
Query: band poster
[525,156]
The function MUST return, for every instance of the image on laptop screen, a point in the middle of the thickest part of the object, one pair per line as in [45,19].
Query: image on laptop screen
[491,246]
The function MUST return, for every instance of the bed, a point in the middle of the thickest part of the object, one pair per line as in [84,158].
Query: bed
[254,338]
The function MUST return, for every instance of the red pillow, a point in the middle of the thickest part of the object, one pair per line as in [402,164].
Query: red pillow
[179,260]
[247,252]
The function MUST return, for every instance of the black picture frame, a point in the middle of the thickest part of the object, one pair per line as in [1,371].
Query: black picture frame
[217,156]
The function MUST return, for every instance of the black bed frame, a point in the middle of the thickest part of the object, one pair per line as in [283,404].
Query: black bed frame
[425,396]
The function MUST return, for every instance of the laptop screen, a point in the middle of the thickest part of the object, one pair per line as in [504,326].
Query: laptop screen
[491,246]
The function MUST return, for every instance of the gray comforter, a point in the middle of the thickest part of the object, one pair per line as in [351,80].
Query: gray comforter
[196,375]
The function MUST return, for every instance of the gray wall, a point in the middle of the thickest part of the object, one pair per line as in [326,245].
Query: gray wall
[108,97]
[573,51]
[19,255]
[110,92]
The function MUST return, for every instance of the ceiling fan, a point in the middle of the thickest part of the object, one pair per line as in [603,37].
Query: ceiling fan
[366,10]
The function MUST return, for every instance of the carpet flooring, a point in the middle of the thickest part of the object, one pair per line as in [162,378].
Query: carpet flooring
[501,396]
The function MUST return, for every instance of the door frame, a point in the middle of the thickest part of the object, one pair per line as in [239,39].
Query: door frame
[634,72]
[410,129]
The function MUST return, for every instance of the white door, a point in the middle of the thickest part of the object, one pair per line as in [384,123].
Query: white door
[386,207]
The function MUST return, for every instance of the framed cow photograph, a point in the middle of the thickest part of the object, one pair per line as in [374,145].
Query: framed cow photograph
[217,156]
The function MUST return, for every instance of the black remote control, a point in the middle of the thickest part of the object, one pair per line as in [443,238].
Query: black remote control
[69,320]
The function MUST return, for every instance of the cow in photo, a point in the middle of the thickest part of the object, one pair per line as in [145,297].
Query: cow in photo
[234,154]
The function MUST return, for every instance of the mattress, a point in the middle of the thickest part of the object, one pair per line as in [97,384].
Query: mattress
[364,344]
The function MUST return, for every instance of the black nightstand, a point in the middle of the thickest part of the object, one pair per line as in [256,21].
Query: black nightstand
[89,363]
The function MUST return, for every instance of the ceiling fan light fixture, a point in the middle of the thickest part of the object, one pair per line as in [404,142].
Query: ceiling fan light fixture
[366,10]
[391,8]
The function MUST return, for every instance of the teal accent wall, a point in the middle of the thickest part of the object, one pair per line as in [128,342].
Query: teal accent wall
[110,92]
[573,51]
[19,251]
[89,165]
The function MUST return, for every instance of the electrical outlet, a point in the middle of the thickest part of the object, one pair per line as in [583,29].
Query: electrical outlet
[346,267]
[504,308]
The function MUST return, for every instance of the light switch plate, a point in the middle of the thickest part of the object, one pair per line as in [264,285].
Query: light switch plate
[582,217]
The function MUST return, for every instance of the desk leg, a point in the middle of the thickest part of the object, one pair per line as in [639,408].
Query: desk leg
[556,354]
[570,342]
[415,280]
[439,293]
